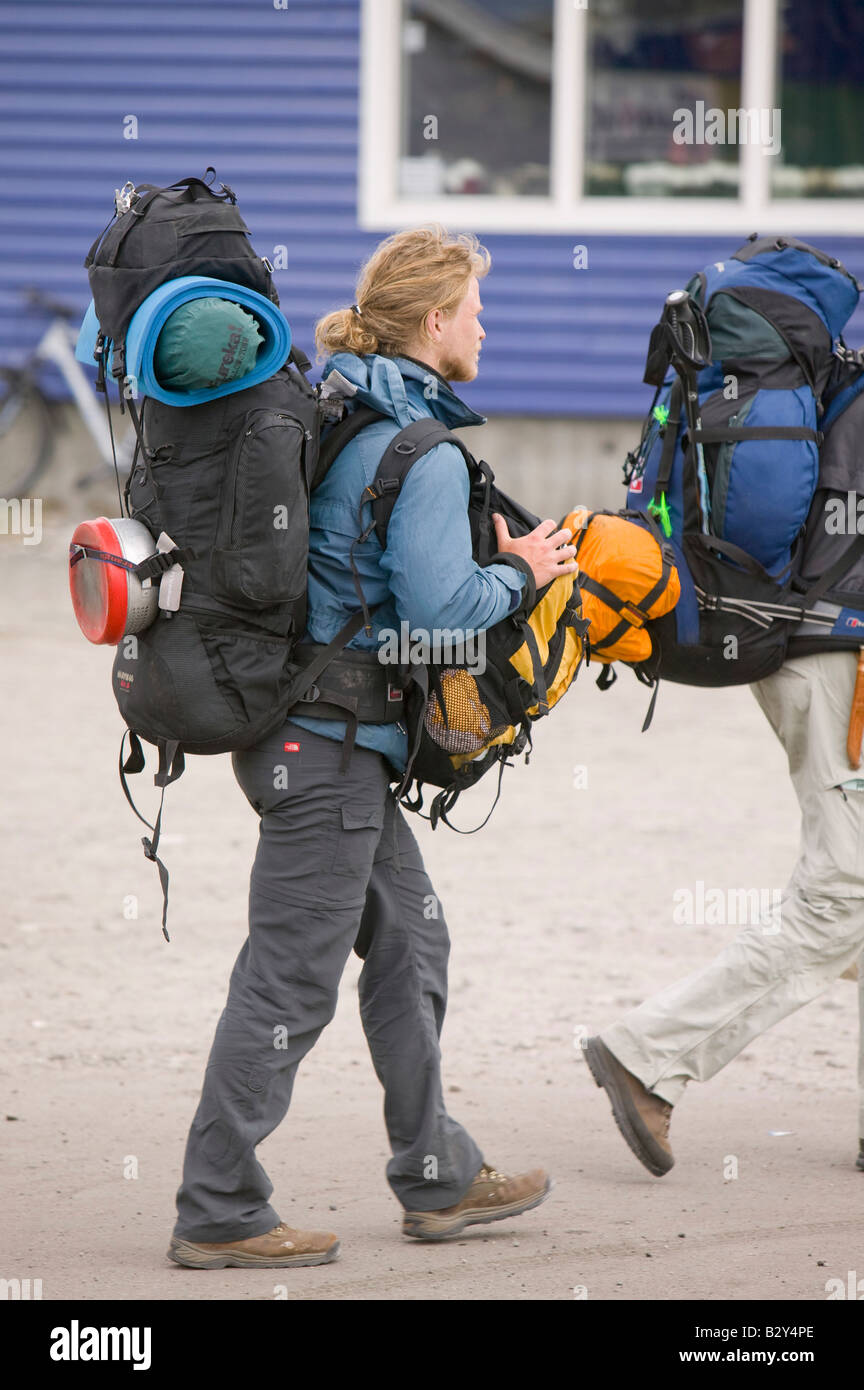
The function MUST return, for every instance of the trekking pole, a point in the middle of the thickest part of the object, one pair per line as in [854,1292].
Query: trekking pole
[690,343]
[856,717]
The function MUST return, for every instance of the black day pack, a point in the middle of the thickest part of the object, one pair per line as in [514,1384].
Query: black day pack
[462,720]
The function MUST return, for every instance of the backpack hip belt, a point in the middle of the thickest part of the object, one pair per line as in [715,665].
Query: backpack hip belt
[354,684]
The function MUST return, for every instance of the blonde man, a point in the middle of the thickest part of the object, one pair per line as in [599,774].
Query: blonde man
[337,866]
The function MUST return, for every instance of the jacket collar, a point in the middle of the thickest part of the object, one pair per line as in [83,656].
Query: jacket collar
[396,387]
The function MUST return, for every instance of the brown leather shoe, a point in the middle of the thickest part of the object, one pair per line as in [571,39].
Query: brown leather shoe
[642,1117]
[277,1249]
[491,1197]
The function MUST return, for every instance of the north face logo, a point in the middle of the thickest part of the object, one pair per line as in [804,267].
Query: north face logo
[125,678]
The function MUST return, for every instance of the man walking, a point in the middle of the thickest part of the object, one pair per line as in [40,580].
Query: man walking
[690,1030]
[337,865]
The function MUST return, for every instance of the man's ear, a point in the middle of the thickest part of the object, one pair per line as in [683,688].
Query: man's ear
[433,324]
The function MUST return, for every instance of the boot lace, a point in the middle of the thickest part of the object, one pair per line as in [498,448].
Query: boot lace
[488,1174]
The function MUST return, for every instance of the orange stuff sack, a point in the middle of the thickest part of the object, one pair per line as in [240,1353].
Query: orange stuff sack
[627,576]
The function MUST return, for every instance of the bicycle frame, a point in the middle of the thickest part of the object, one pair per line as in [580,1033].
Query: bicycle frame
[58,347]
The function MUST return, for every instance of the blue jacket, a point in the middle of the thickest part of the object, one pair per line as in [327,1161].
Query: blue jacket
[427,575]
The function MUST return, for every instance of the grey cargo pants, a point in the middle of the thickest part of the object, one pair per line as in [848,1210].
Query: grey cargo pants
[335,857]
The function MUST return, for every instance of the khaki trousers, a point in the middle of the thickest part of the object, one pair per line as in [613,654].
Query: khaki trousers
[691,1029]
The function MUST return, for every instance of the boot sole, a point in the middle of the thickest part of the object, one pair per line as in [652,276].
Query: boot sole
[623,1110]
[416,1226]
[191,1256]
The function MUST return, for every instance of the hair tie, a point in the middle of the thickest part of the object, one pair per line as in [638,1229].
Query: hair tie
[356,308]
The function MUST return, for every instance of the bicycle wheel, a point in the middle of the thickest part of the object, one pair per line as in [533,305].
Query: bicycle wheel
[26,433]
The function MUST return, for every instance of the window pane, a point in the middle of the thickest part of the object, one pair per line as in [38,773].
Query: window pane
[662,80]
[821,97]
[476,106]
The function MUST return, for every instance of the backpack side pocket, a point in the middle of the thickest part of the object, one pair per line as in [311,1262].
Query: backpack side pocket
[262,541]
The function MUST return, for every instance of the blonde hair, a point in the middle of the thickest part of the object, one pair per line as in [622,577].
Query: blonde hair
[407,276]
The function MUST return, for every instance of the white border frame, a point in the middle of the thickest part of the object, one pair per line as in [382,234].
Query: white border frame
[380,208]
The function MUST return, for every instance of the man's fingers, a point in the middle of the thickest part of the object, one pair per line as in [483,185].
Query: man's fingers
[502,534]
[570,567]
[559,536]
[552,533]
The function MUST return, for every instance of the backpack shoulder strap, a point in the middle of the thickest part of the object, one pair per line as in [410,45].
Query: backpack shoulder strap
[403,451]
[337,438]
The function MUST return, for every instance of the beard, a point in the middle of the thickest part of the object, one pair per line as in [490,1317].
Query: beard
[459,368]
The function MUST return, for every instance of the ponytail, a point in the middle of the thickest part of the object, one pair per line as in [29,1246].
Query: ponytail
[406,277]
[344,331]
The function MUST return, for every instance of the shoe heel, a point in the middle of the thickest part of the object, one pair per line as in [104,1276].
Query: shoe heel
[593,1060]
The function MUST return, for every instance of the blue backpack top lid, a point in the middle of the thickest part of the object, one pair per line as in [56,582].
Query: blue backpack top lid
[151,317]
[791,267]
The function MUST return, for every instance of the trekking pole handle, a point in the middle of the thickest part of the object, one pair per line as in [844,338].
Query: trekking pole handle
[689,329]
[681,319]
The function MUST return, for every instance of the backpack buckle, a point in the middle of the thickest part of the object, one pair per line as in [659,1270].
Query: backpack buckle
[633,615]
[331,408]
[311,695]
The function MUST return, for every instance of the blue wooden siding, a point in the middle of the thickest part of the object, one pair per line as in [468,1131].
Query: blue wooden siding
[270,97]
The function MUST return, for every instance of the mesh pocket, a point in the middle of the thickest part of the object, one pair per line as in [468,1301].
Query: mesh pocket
[464,723]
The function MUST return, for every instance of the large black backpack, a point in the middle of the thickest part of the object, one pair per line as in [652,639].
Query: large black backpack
[228,482]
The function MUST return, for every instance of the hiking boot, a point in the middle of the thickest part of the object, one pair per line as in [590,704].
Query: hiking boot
[642,1117]
[277,1249]
[859,1162]
[491,1197]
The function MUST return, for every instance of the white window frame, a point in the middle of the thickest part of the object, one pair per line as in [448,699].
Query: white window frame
[380,207]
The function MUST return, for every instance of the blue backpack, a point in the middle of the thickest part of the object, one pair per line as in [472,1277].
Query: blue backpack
[751,374]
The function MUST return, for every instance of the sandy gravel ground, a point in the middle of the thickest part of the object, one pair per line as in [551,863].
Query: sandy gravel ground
[561,917]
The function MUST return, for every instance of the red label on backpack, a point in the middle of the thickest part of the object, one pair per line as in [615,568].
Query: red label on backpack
[291,747]
[636,484]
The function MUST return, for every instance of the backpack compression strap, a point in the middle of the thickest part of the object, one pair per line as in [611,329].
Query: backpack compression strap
[171,765]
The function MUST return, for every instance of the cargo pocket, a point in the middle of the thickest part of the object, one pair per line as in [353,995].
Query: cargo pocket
[832,857]
[358,832]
